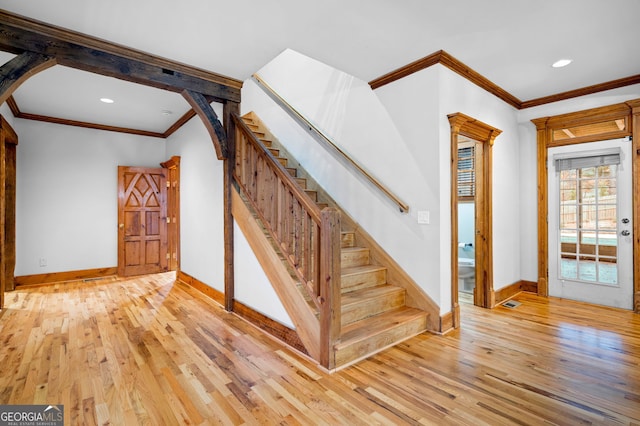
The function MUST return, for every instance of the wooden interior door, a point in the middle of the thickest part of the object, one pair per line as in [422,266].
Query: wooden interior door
[173,212]
[142,220]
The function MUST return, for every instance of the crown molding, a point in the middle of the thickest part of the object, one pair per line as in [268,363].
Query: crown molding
[17,113]
[445,59]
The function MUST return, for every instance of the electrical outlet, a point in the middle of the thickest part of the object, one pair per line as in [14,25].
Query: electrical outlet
[42,262]
[423,217]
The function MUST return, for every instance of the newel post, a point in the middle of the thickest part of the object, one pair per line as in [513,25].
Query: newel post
[330,288]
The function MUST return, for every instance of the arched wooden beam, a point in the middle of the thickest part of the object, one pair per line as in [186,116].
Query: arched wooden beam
[76,50]
[208,116]
[19,69]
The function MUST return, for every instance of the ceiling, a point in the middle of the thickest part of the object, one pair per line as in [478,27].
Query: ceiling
[510,42]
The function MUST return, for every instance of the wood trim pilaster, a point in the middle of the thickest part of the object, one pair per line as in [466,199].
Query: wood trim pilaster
[543,207]
[635,131]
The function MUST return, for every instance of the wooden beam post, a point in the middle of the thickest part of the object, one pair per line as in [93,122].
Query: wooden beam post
[230,108]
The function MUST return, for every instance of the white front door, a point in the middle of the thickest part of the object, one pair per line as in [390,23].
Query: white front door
[590,212]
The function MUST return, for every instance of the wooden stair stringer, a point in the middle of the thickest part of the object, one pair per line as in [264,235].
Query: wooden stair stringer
[280,276]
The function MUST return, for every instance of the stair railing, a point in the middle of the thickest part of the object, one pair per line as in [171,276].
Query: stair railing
[308,237]
[328,142]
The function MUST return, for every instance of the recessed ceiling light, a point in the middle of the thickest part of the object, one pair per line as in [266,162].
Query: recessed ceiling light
[106,100]
[561,63]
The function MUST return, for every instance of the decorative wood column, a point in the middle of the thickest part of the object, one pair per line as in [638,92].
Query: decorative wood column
[230,108]
[543,208]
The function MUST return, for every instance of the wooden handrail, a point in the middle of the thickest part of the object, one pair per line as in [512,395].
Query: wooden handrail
[311,128]
[308,237]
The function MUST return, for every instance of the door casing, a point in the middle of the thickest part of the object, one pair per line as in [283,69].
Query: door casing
[627,113]
[463,125]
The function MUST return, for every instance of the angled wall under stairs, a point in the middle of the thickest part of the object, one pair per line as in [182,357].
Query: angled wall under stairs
[380,305]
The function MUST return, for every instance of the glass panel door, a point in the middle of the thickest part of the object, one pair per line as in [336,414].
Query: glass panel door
[590,241]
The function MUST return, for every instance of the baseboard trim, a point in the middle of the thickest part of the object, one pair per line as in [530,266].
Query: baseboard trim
[208,291]
[57,277]
[446,322]
[509,291]
[264,323]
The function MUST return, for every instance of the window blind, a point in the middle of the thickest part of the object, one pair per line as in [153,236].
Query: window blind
[581,160]
[466,172]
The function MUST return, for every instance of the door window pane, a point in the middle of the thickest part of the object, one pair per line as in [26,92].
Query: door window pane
[588,224]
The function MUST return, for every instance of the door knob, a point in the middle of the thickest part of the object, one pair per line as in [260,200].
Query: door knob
[121,226]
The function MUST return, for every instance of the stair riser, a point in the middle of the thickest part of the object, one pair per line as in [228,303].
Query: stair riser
[380,341]
[373,306]
[354,258]
[366,279]
[347,239]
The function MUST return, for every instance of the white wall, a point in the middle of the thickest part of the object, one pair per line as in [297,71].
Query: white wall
[252,287]
[363,128]
[67,199]
[201,202]
[457,94]
[202,223]
[401,134]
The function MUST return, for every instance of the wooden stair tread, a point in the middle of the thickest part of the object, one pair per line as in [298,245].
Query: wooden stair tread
[368,302]
[363,276]
[360,330]
[357,296]
[364,338]
[353,270]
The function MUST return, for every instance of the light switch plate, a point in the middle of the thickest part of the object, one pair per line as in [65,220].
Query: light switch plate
[423,217]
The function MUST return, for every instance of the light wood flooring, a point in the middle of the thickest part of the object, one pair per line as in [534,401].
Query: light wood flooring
[153,351]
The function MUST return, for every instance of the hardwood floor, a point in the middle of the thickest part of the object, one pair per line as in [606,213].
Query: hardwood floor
[152,351]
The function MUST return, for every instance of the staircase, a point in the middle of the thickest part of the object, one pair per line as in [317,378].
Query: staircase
[374,313]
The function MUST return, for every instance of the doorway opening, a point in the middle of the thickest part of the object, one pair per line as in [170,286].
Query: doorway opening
[471,165]
[467,161]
